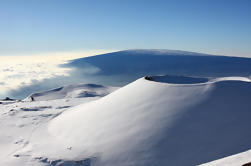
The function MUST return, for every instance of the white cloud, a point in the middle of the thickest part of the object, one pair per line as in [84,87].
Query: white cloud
[18,71]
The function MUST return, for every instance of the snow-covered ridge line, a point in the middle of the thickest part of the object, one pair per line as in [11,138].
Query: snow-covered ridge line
[191,81]
[244,79]
[165,51]
[233,160]
[71,91]
[155,123]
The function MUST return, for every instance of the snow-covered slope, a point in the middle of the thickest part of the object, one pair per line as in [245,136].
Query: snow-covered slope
[151,123]
[71,91]
[242,159]
[20,120]
[158,121]
[162,52]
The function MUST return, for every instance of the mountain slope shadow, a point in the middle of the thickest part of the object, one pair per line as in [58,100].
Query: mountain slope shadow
[126,66]
[207,133]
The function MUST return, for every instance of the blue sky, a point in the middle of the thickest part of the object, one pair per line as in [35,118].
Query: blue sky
[209,26]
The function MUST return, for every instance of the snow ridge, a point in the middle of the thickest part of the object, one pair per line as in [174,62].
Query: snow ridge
[154,120]
[184,80]
[154,123]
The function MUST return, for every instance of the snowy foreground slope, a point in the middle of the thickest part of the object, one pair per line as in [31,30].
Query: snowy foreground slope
[20,119]
[234,160]
[158,121]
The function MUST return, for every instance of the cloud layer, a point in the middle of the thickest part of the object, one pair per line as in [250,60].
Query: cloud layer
[22,71]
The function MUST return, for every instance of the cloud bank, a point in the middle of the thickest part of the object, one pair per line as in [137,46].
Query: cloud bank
[18,72]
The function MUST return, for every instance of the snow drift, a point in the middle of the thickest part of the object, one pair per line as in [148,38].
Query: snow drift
[71,91]
[158,122]
[23,124]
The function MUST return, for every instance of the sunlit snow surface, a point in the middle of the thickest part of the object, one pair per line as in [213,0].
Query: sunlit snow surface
[147,122]
[20,120]
[234,160]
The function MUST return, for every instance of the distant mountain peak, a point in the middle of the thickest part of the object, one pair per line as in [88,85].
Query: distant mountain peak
[164,51]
